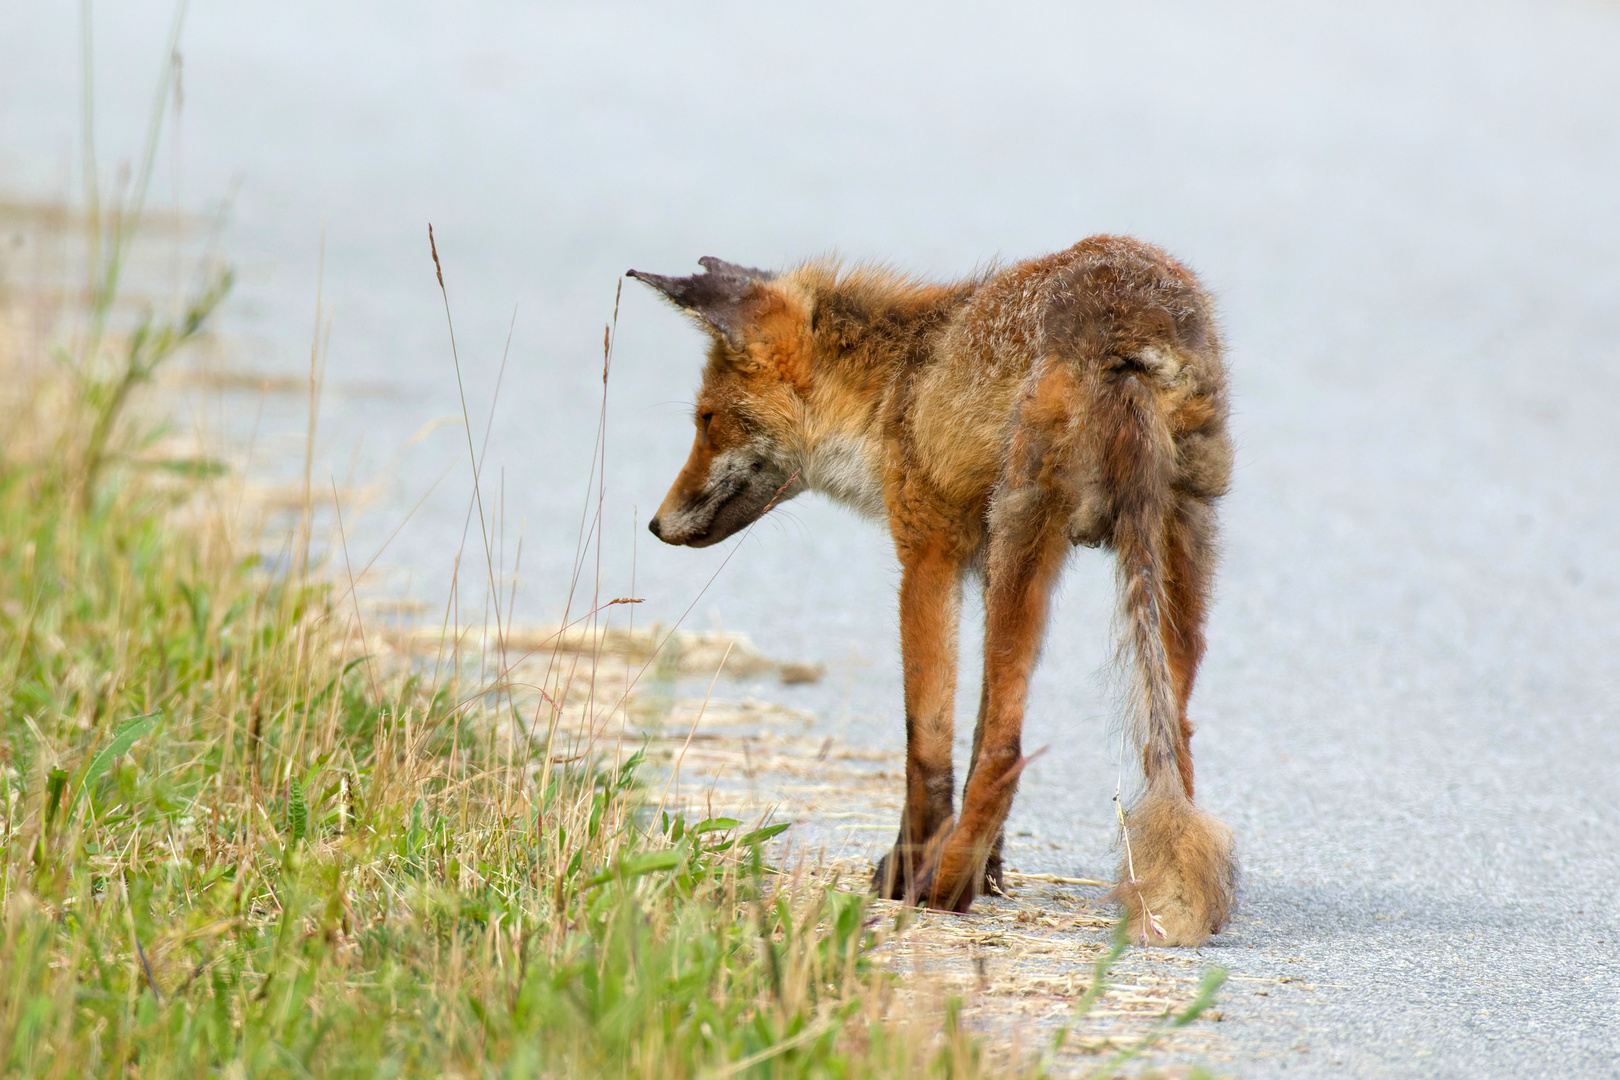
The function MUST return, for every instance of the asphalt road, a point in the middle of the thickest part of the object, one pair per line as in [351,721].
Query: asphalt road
[1410,712]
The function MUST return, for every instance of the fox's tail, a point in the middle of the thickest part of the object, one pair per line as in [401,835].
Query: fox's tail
[1178,876]
[1141,472]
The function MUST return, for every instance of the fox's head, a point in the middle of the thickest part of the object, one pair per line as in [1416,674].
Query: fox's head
[747,452]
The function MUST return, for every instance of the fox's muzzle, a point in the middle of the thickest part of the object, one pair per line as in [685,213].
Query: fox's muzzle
[735,493]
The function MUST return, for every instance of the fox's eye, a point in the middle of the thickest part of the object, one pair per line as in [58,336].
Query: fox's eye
[705,418]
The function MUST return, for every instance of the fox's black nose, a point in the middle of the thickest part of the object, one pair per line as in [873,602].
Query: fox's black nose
[656,529]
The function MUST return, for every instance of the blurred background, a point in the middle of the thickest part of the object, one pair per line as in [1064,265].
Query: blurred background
[1409,213]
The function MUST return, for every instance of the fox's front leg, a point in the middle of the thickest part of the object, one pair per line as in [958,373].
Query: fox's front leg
[930,602]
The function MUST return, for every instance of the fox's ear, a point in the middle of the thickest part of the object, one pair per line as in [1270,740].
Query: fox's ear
[721,296]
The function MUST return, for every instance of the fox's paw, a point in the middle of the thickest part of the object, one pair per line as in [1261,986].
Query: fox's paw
[906,872]
[952,872]
[948,891]
[1185,879]
[889,879]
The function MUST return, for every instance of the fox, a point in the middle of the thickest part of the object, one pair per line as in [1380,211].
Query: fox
[996,423]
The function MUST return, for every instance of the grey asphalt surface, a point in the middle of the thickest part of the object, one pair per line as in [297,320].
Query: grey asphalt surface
[1410,712]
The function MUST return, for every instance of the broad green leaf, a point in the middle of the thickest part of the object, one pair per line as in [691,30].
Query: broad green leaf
[636,865]
[129,731]
[759,836]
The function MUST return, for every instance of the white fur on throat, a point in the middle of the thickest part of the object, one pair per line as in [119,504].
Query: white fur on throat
[848,469]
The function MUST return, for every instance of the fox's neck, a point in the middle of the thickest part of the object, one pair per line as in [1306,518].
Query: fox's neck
[841,448]
[868,335]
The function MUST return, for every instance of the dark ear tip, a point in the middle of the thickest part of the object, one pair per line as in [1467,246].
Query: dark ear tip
[721,268]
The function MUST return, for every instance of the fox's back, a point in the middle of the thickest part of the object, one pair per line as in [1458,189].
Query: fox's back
[1107,299]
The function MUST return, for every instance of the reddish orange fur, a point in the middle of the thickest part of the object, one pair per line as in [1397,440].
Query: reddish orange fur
[994,423]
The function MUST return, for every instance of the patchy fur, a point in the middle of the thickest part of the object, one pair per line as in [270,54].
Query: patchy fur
[996,423]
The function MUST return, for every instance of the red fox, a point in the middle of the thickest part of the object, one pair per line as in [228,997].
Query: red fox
[995,423]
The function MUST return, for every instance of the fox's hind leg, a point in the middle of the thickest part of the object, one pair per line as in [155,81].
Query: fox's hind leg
[1190,540]
[930,602]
